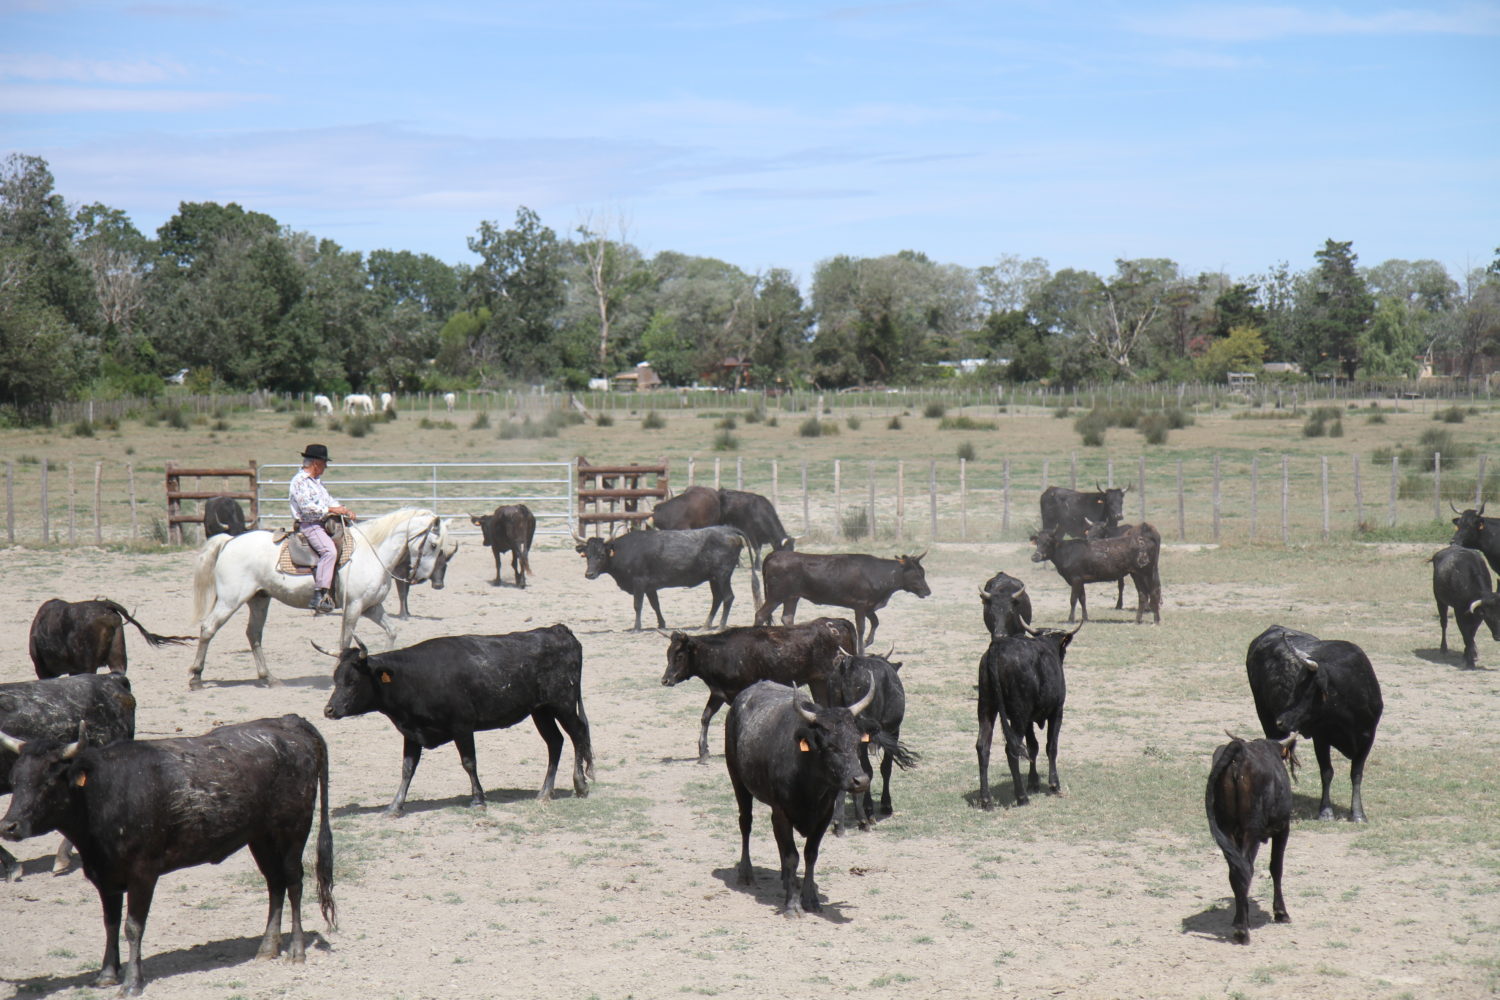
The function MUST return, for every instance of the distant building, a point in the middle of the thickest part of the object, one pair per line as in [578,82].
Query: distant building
[638,379]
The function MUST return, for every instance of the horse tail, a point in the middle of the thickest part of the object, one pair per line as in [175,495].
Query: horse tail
[205,592]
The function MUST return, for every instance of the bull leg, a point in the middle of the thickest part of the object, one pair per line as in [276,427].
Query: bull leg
[1325,771]
[788,612]
[255,627]
[576,725]
[874,624]
[754,577]
[982,748]
[1356,778]
[859,633]
[138,906]
[10,871]
[1053,725]
[292,870]
[1241,886]
[716,592]
[1278,855]
[116,659]
[1443,622]
[546,724]
[411,756]
[655,606]
[464,744]
[271,864]
[1120,597]
[728,598]
[786,845]
[714,704]
[498,564]
[763,611]
[113,901]
[1033,783]
[746,803]
[810,902]
[64,859]
[886,762]
[1015,746]
[864,805]
[1082,599]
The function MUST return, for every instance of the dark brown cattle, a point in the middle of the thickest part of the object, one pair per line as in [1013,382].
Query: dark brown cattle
[861,583]
[1249,801]
[509,529]
[80,637]
[694,507]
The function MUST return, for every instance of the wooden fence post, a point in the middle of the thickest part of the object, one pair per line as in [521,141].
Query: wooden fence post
[900,499]
[716,473]
[1479,484]
[1395,476]
[806,525]
[1437,486]
[1217,499]
[1073,471]
[1254,494]
[72,503]
[46,507]
[1181,506]
[838,498]
[932,496]
[1286,491]
[1359,498]
[692,469]
[1005,499]
[739,473]
[1045,463]
[135,531]
[870,528]
[1141,486]
[1109,473]
[963,500]
[98,498]
[1325,496]
[10,503]
[776,485]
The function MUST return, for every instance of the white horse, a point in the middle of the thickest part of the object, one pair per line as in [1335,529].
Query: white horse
[387,403]
[358,402]
[236,570]
[322,404]
[449,399]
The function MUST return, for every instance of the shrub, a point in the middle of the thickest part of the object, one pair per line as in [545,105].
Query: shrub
[962,423]
[1375,418]
[1091,427]
[773,421]
[1154,427]
[727,424]
[726,441]
[1093,437]
[894,424]
[755,415]
[855,523]
[1177,419]
[935,410]
[810,428]
[428,424]
[1452,415]
[481,421]
[1062,412]
[358,427]
[335,424]
[221,425]
[653,421]
[303,421]
[966,450]
[604,420]
[83,429]
[854,423]
[1324,420]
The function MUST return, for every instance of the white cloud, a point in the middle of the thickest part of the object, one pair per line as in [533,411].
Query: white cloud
[29,99]
[41,66]
[1252,23]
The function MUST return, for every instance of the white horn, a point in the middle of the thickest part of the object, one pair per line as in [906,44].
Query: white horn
[864,703]
[10,743]
[71,750]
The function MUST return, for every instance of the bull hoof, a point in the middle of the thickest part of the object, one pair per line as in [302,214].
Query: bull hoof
[1283,917]
[1241,935]
[1325,814]
[393,813]
[106,978]
[268,953]
[987,804]
[792,911]
[746,877]
[10,873]
[1023,800]
[703,759]
[479,803]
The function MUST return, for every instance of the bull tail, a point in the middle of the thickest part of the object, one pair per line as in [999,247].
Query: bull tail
[205,592]
[745,546]
[583,747]
[905,758]
[150,637]
[325,843]
[526,560]
[1230,756]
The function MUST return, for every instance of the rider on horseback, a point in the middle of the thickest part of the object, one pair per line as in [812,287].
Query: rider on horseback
[311,503]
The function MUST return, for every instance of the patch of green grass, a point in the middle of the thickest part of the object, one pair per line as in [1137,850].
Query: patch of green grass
[964,423]
[726,441]
[966,451]
[653,421]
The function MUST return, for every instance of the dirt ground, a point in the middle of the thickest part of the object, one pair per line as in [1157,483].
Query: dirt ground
[1112,890]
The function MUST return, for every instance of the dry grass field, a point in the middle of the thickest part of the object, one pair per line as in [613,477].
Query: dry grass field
[1112,889]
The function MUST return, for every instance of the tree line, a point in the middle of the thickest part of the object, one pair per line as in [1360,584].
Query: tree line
[90,305]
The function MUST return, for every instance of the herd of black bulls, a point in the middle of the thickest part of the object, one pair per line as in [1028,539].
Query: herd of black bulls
[136,809]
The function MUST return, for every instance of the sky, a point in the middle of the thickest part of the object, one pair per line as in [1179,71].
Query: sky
[1227,137]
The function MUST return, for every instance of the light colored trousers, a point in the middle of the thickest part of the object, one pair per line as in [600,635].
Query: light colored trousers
[327,554]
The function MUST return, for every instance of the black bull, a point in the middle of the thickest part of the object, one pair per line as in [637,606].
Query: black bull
[862,583]
[643,562]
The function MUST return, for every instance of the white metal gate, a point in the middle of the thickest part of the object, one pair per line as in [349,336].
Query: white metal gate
[449,489]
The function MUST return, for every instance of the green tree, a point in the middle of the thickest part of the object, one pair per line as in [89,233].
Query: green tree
[671,351]
[781,323]
[1333,311]
[613,272]
[1242,350]
[1389,346]
[519,279]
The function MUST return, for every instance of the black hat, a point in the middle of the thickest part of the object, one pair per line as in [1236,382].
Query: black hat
[318,451]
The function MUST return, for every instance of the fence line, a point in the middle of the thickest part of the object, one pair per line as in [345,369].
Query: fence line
[1218,497]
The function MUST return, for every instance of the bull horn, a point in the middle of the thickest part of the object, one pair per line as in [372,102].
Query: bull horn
[864,703]
[1019,592]
[10,743]
[888,653]
[1475,605]
[322,650]
[801,709]
[984,595]
[922,555]
[71,750]
[360,646]
[1455,509]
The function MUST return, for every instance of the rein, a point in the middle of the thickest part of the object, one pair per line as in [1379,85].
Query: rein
[350,525]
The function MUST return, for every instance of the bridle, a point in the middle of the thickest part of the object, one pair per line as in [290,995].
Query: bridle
[410,539]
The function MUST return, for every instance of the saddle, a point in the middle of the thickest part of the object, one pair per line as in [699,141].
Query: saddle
[298,558]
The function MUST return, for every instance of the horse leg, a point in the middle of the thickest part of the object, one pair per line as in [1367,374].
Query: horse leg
[214,621]
[376,613]
[259,605]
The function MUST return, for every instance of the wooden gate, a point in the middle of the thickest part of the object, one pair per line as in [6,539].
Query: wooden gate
[612,493]
[176,494]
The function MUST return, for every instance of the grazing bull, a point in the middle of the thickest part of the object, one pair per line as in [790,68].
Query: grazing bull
[799,758]
[1249,801]
[1072,510]
[643,562]
[139,809]
[732,660]
[1460,581]
[1079,561]
[1473,530]
[852,677]
[1007,606]
[223,515]
[694,507]
[861,583]
[79,637]
[438,577]
[99,706]
[1021,679]
[1324,689]
[510,528]
[449,688]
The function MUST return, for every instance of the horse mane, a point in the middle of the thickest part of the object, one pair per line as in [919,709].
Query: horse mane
[381,528]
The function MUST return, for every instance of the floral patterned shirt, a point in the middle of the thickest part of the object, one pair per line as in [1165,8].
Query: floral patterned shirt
[310,499]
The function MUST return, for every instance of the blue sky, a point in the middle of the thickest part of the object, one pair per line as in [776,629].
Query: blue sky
[772,134]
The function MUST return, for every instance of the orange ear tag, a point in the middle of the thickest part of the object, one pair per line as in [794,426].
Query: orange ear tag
[802,745]
[82,780]
[385,677]
[864,737]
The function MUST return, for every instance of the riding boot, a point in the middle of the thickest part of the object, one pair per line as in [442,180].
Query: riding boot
[321,603]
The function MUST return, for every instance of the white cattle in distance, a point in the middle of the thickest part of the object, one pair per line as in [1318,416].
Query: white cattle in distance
[450,399]
[358,402]
[322,404]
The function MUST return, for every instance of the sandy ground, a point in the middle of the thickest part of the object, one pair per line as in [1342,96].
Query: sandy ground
[631,891]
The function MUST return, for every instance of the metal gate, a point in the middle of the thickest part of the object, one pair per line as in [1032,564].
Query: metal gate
[449,489]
